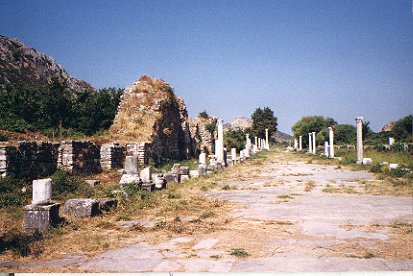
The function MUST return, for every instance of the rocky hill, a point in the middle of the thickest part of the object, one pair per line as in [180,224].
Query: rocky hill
[281,137]
[238,123]
[23,65]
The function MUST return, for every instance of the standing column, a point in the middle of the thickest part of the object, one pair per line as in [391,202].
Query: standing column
[255,144]
[326,151]
[331,142]
[359,127]
[314,143]
[219,152]
[300,143]
[295,144]
[310,143]
[267,145]
[247,145]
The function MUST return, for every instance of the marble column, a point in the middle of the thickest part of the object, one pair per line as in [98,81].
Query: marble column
[295,144]
[255,144]
[359,127]
[310,143]
[219,152]
[331,142]
[326,151]
[300,143]
[314,143]
[266,139]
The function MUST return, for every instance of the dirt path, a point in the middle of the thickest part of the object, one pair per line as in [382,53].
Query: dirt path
[284,222]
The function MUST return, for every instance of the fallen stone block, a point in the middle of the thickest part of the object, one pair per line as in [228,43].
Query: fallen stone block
[175,168]
[393,166]
[184,177]
[106,204]
[202,169]
[148,186]
[367,161]
[194,173]
[92,182]
[159,181]
[41,217]
[81,207]
[183,170]
[129,178]
[171,177]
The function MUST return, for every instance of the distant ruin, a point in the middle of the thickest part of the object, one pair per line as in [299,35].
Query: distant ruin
[152,123]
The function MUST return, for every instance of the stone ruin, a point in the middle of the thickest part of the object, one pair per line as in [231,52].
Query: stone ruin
[150,112]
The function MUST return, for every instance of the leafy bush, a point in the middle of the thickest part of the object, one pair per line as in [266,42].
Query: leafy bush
[4,137]
[234,139]
[397,147]
[66,185]
[11,192]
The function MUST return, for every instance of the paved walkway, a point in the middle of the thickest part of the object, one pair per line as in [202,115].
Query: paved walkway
[283,227]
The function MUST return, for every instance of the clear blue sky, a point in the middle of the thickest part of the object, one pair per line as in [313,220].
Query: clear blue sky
[337,58]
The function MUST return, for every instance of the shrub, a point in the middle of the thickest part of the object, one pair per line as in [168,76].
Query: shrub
[66,185]
[4,137]
[397,147]
[11,192]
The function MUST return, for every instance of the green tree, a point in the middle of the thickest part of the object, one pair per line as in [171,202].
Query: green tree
[263,119]
[318,124]
[402,129]
[345,134]
[234,139]
[204,114]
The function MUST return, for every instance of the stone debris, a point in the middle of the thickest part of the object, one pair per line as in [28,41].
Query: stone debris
[81,207]
[107,204]
[92,182]
[41,217]
[172,177]
[367,161]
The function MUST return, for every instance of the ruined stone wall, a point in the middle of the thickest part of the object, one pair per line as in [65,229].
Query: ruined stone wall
[112,156]
[142,150]
[79,157]
[149,112]
[186,141]
[202,135]
[28,160]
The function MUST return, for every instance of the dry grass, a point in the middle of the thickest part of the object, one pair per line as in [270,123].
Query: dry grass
[309,186]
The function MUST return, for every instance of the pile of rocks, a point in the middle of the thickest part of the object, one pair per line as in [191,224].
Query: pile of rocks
[43,213]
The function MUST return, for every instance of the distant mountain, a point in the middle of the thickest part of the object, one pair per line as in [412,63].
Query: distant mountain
[238,123]
[241,122]
[281,136]
[22,65]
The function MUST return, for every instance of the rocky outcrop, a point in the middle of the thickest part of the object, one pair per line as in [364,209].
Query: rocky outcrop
[239,122]
[150,112]
[21,65]
[388,127]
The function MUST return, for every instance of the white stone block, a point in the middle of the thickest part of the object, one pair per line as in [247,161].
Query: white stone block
[146,174]
[202,158]
[367,161]
[129,178]
[42,191]
[393,166]
[131,164]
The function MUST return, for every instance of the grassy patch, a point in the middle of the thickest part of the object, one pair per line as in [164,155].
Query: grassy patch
[239,252]
[285,196]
